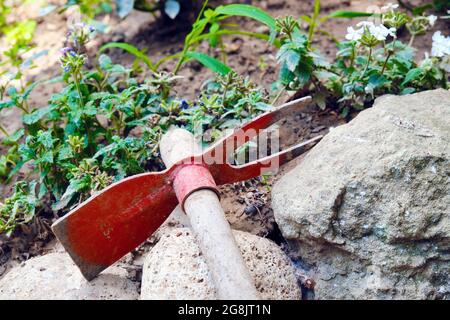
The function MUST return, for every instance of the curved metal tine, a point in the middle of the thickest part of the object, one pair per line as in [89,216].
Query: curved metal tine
[220,151]
[230,173]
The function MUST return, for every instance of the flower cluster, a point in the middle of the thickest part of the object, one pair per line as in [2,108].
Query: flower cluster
[441,45]
[71,61]
[369,34]
[79,35]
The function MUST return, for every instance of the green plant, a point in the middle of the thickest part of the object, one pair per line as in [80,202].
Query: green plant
[19,208]
[225,102]
[371,63]
[105,125]
[210,25]
[90,8]
[315,20]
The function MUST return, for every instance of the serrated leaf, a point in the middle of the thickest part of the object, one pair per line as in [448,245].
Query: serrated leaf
[291,58]
[72,189]
[35,116]
[45,138]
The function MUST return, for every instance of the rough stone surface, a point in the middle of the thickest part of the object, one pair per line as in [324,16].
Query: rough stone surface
[369,207]
[54,276]
[175,268]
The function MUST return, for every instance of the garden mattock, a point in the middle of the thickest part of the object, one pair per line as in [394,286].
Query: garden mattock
[115,221]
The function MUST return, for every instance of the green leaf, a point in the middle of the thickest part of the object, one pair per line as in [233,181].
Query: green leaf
[209,62]
[407,90]
[6,104]
[104,62]
[291,58]
[130,49]
[316,8]
[72,189]
[46,157]
[419,10]
[307,19]
[377,80]
[350,14]
[411,75]
[35,116]
[45,138]
[12,139]
[249,11]
[286,76]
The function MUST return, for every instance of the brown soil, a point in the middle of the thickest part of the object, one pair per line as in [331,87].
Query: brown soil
[247,205]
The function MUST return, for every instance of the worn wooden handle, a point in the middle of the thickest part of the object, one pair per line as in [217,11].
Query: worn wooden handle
[223,257]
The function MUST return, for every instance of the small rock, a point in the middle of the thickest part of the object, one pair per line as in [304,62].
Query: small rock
[55,277]
[175,269]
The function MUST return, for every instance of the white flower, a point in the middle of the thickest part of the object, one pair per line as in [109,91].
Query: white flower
[365,24]
[389,7]
[432,19]
[441,45]
[381,32]
[354,35]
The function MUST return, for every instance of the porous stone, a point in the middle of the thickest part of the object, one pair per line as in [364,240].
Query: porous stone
[176,269]
[368,209]
[55,277]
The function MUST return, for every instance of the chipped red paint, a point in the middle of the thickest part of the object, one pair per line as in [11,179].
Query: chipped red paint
[115,221]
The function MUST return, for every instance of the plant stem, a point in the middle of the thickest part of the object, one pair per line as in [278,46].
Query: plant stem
[277,96]
[25,110]
[77,85]
[390,52]
[413,37]
[385,62]
[2,129]
[368,62]
[188,43]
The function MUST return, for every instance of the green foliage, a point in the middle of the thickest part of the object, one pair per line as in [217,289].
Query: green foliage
[209,26]
[105,125]
[371,64]
[19,208]
[226,102]
[315,20]
[295,59]
[90,8]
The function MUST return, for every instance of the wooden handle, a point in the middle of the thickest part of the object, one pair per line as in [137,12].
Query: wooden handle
[228,270]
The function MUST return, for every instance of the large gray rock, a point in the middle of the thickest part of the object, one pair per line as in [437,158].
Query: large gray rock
[176,269]
[55,277]
[369,207]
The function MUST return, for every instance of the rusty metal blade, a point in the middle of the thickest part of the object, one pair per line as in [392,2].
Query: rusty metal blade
[221,149]
[112,223]
[226,173]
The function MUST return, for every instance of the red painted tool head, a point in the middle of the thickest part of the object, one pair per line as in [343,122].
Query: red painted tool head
[115,221]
